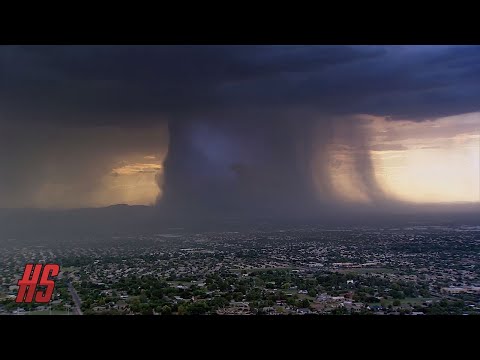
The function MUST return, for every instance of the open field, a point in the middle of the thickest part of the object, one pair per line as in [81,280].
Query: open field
[366,271]
[404,303]
[263,269]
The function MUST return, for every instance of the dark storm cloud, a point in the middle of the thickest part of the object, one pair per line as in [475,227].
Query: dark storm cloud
[110,83]
[264,100]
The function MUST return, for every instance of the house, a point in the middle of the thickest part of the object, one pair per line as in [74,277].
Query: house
[304,311]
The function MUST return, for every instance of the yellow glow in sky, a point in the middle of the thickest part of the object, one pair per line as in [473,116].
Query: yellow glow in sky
[434,162]
[133,182]
[423,162]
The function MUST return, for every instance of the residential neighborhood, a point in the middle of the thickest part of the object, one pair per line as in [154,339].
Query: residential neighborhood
[293,271]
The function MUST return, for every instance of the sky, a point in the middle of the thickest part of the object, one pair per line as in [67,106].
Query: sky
[267,129]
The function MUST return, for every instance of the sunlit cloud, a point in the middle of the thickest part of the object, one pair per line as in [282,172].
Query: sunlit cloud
[135,169]
[440,162]
[434,161]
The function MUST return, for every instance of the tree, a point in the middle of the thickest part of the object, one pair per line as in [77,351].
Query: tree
[397,294]
[166,310]
[305,303]
[146,310]
[197,308]
[182,310]
[340,311]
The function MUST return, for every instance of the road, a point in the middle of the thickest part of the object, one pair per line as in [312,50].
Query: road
[76,299]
